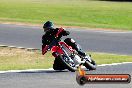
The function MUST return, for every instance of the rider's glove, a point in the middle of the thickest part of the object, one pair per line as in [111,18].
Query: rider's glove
[65,33]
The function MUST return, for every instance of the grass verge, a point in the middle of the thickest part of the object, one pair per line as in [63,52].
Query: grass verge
[83,13]
[14,59]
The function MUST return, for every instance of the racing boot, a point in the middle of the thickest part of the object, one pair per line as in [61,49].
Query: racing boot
[71,42]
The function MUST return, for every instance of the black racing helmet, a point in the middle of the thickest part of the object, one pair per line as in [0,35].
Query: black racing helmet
[48,25]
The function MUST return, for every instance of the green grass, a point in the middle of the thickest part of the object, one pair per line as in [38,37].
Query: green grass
[14,59]
[83,13]
[106,58]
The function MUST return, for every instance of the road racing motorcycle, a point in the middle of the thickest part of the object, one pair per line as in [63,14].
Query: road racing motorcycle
[66,57]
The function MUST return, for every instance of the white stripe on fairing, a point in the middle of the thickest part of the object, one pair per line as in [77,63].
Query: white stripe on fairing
[51,69]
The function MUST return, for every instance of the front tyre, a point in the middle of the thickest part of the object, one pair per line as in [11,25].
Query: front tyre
[90,65]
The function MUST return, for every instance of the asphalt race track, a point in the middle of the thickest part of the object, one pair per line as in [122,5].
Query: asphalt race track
[99,41]
[65,79]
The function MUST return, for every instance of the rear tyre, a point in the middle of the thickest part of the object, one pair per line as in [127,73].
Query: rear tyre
[58,65]
[67,65]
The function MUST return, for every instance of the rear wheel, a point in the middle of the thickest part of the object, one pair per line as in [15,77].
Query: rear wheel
[69,64]
[58,64]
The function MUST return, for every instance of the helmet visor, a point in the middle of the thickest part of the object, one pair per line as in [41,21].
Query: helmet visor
[46,29]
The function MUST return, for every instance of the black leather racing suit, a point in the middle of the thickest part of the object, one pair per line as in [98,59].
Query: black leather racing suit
[49,36]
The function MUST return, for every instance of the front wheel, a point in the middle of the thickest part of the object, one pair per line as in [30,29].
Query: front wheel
[90,65]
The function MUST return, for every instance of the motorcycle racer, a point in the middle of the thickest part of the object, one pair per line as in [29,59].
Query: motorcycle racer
[50,34]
